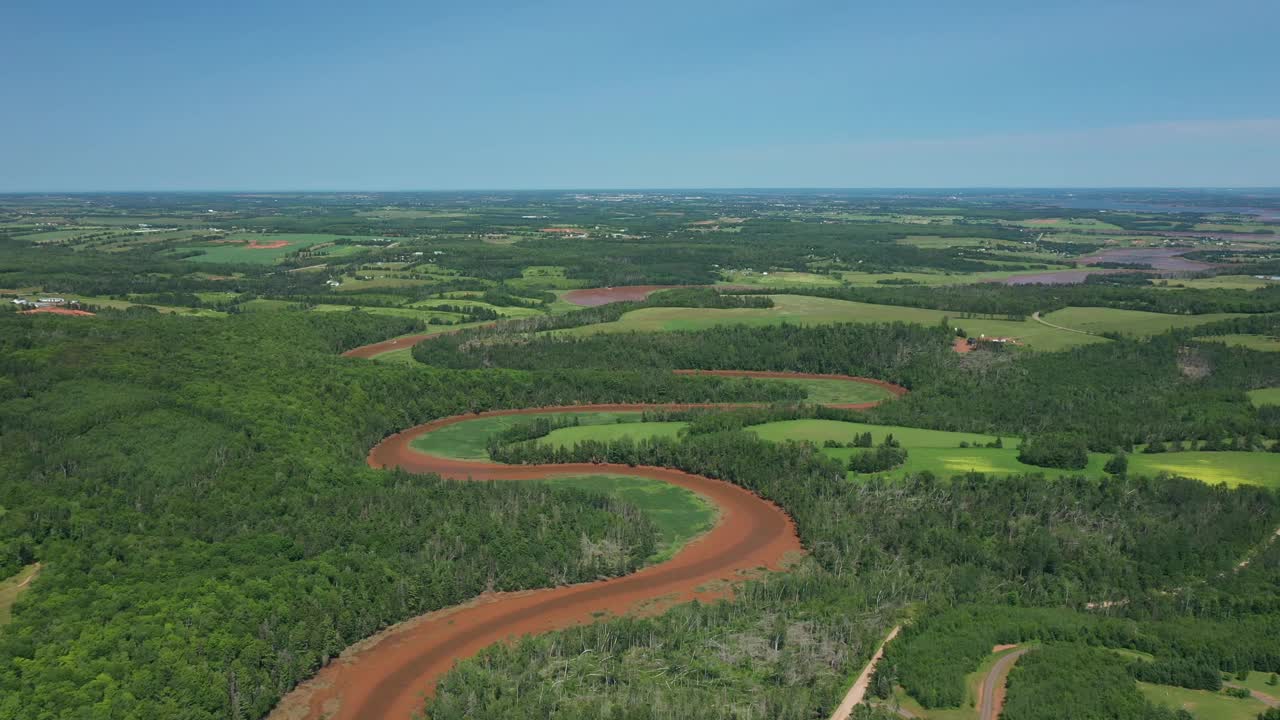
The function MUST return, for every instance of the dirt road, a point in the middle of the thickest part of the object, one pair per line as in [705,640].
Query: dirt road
[387,676]
[991,695]
[859,689]
[1036,316]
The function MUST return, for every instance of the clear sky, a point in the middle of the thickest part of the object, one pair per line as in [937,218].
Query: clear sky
[375,95]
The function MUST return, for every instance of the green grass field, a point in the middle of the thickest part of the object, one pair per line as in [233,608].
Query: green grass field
[468,440]
[569,436]
[778,278]
[240,253]
[1265,396]
[1203,704]
[1259,681]
[515,312]
[939,452]
[803,310]
[107,302]
[935,451]
[1265,343]
[1128,322]
[1220,282]
[679,514]
[1089,224]
[13,587]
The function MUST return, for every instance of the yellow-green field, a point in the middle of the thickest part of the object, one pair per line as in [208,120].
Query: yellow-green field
[1265,396]
[1128,322]
[1203,704]
[1219,282]
[939,452]
[1266,343]
[803,310]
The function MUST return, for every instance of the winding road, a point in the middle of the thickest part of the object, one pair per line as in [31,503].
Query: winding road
[390,674]
[992,691]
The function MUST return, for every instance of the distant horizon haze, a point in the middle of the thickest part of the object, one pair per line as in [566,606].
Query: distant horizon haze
[147,96]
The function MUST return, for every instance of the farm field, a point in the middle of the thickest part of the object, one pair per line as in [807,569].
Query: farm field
[803,310]
[834,392]
[468,440]
[237,249]
[784,279]
[939,452]
[1266,343]
[1203,704]
[1218,282]
[1265,396]
[679,514]
[934,451]
[568,436]
[107,302]
[1128,322]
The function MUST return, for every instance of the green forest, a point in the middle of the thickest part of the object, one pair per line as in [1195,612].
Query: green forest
[189,465]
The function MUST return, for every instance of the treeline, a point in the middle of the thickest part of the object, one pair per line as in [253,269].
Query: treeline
[934,654]
[896,352]
[1103,393]
[1070,682]
[995,299]
[1040,540]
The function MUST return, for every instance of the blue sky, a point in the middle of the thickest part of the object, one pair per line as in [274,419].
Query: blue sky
[425,95]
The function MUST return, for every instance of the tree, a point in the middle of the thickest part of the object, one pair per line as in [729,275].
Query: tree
[1117,465]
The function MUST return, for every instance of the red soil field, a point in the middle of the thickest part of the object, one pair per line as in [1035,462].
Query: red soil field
[592,297]
[255,245]
[387,676]
[57,311]
[962,346]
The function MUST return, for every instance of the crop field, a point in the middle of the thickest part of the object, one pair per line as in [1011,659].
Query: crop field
[567,437]
[239,248]
[1089,224]
[1203,704]
[679,514]
[939,452]
[803,310]
[1128,322]
[1218,282]
[107,302]
[779,278]
[505,311]
[1266,343]
[1265,396]
[468,440]
[835,392]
